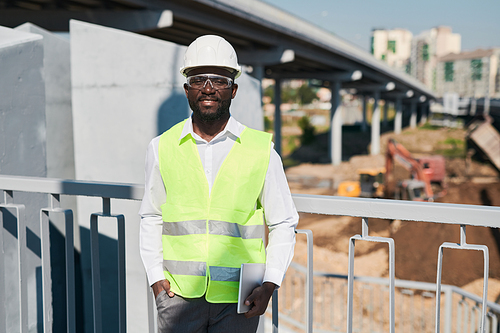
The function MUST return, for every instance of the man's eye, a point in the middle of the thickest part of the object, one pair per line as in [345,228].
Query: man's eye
[219,82]
[198,80]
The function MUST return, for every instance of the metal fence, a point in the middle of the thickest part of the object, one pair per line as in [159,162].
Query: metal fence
[340,302]
[415,305]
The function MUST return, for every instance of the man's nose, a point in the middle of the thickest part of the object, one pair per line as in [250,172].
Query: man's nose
[208,87]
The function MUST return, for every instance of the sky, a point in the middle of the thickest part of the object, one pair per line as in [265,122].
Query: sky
[477,21]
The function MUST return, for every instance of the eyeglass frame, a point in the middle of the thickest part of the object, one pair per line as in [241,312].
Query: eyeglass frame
[209,78]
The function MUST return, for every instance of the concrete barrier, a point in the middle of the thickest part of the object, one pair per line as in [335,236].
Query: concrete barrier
[22,152]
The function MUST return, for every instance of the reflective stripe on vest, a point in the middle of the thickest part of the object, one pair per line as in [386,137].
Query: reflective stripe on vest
[207,235]
[197,268]
[183,228]
[218,273]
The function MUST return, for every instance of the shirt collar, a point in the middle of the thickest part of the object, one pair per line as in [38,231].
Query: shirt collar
[233,128]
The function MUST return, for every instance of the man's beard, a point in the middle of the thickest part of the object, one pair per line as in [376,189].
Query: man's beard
[221,111]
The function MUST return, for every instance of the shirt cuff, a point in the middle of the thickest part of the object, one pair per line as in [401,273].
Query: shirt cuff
[273,275]
[155,274]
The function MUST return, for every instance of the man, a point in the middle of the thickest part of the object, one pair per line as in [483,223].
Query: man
[210,183]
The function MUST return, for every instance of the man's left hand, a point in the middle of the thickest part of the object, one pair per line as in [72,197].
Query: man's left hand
[260,298]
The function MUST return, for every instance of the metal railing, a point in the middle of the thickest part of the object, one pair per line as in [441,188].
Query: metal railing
[481,312]
[414,310]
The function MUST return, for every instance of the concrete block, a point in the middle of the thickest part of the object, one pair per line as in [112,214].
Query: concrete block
[247,105]
[59,119]
[60,153]
[22,104]
[22,152]
[127,89]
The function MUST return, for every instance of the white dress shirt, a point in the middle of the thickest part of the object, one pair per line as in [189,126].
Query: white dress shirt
[279,210]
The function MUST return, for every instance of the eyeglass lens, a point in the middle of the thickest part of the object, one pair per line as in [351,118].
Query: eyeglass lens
[217,82]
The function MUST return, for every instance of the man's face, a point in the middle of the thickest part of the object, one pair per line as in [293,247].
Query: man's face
[208,103]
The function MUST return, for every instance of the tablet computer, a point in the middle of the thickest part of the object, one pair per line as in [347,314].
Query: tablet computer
[251,276]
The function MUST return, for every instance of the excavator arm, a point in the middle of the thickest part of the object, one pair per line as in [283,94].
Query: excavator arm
[396,151]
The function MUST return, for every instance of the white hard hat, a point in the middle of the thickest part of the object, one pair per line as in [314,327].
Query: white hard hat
[211,50]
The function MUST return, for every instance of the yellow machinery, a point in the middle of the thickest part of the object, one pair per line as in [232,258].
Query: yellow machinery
[370,184]
[349,188]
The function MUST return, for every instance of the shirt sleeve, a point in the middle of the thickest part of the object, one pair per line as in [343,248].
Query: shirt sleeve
[150,241]
[281,218]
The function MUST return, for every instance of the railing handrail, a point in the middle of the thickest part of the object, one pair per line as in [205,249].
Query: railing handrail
[485,216]
[460,214]
[72,187]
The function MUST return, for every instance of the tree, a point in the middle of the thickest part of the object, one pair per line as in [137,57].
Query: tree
[306,94]
[307,128]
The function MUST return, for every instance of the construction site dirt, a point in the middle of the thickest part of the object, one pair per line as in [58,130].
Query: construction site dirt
[468,181]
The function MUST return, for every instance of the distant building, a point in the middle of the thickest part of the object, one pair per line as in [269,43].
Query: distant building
[392,46]
[427,48]
[470,74]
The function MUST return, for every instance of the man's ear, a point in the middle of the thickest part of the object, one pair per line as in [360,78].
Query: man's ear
[186,89]
[234,89]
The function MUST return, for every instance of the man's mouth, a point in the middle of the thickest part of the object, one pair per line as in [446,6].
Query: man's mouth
[208,101]
[203,99]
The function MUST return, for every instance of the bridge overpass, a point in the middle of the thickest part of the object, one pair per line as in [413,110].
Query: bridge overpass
[270,41]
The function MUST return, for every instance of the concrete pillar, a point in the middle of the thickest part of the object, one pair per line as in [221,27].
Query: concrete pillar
[277,116]
[22,153]
[487,88]
[59,119]
[424,110]
[386,111]
[375,143]
[398,120]
[336,124]
[60,155]
[413,116]
[473,106]
[246,107]
[487,105]
[363,124]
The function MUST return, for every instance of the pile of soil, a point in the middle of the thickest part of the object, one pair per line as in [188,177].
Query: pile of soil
[417,243]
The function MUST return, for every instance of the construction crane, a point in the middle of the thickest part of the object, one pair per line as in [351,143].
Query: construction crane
[425,170]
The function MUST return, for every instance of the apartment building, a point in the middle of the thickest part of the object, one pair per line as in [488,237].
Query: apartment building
[427,48]
[470,74]
[392,46]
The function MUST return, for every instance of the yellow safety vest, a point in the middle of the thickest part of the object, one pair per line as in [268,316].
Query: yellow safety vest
[206,237]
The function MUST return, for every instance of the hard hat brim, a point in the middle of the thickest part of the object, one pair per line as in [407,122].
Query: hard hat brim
[185,70]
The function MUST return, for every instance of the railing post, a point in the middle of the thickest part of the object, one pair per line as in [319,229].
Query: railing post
[54,207]
[96,274]
[122,284]
[3,323]
[275,311]
[448,309]
[21,253]
[309,280]
[463,246]
[494,323]
[350,275]
[151,309]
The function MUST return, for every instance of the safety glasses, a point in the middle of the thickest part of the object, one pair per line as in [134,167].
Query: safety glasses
[216,81]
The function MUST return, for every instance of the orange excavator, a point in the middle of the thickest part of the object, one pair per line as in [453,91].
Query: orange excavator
[425,170]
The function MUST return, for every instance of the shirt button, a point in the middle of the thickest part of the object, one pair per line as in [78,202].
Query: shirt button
[207,171]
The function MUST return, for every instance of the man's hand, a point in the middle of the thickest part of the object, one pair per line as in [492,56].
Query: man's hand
[162,285]
[260,298]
